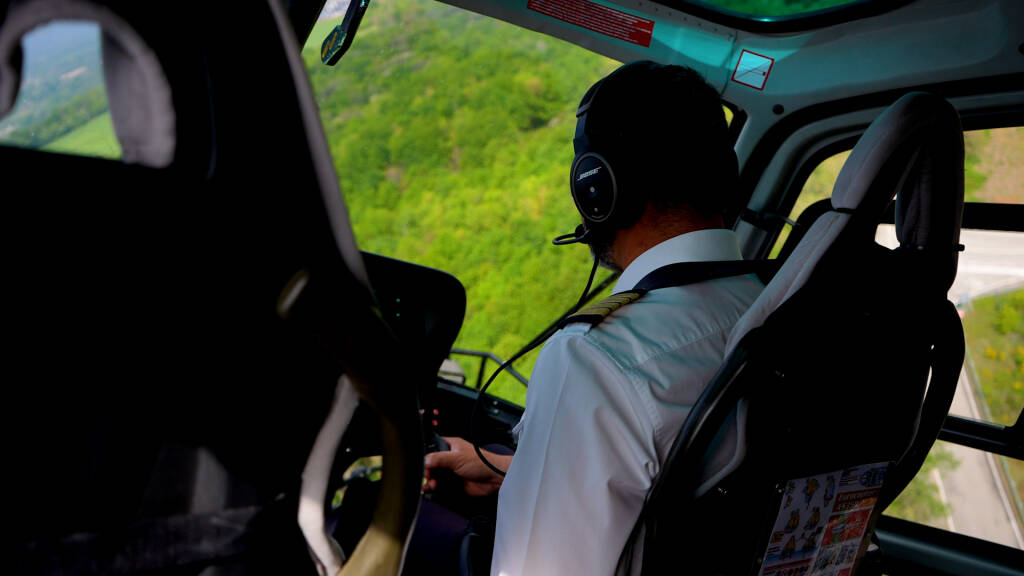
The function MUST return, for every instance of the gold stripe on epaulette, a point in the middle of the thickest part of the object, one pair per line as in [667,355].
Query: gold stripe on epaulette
[596,313]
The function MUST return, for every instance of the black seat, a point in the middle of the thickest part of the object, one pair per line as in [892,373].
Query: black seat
[828,371]
[166,393]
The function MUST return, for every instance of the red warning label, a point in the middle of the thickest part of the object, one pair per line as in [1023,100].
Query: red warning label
[598,18]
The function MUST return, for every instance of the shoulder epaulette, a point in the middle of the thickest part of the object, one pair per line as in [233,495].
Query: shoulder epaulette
[597,312]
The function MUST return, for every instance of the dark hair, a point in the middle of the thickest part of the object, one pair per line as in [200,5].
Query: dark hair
[667,126]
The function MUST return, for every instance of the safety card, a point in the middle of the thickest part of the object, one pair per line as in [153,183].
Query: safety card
[821,522]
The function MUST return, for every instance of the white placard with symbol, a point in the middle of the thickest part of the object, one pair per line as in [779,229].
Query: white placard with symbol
[752,69]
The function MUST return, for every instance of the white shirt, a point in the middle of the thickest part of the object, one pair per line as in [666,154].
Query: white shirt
[603,408]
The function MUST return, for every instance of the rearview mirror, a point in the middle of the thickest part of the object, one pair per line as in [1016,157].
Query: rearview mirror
[340,38]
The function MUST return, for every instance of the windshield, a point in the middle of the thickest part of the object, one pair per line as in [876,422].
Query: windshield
[452,137]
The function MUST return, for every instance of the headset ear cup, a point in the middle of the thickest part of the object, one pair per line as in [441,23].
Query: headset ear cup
[594,189]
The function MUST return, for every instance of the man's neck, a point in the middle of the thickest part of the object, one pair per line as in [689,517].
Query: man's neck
[654,228]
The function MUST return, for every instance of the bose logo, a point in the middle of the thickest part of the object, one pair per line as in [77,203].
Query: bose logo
[588,174]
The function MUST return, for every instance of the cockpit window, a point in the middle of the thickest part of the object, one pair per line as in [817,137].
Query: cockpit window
[992,173]
[452,137]
[62,101]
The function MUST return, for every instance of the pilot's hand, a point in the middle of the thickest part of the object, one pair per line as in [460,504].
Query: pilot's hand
[462,460]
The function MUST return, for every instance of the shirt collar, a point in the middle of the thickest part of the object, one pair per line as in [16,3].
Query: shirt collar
[697,246]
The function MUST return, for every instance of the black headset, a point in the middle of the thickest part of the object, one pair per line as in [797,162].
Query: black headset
[595,183]
[607,180]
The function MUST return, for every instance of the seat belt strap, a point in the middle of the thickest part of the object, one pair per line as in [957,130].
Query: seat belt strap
[683,273]
[671,276]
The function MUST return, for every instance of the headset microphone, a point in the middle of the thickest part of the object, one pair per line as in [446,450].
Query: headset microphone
[581,234]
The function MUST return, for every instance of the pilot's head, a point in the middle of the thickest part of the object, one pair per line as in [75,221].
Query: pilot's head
[653,153]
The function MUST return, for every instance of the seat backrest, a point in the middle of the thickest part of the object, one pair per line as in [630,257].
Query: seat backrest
[828,370]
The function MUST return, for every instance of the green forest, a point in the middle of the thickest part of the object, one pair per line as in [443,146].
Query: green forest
[452,137]
[95,136]
[994,330]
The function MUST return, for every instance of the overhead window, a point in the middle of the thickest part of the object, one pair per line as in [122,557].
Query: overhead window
[62,101]
[762,8]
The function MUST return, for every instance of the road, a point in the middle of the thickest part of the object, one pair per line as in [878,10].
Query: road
[979,500]
[980,504]
[993,262]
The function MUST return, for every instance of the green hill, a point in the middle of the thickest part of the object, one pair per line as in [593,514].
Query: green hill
[61,119]
[94,138]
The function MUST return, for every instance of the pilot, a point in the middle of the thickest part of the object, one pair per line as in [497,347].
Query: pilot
[609,392]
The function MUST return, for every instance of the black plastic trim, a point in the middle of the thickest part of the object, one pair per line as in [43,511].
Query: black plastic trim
[912,548]
[988,216]
[772,140]
[303,14]
[484,357]
[1003,440]
[498,409]
[792,23]
[982,216]
[739,120]
[976,216]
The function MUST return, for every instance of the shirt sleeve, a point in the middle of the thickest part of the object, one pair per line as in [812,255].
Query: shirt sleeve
[584,463]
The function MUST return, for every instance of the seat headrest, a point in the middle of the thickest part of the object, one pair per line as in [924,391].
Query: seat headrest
[915,149]
[138,91]
[930,204]
[917,126]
